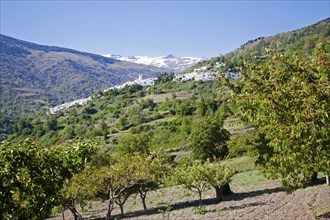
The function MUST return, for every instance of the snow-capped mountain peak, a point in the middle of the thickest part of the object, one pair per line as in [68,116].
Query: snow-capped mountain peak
[170,61]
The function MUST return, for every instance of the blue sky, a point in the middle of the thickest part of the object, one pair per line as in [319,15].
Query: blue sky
[155,28]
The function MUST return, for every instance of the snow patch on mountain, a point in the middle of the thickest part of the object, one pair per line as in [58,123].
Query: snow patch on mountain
[171,62]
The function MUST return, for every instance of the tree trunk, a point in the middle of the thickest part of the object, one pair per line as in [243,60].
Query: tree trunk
[314,177]
[226,189]
[121,203]
[72,208]
[200,198]
[121,209]
[75,213]
[327,179]
[143,197]
[110,208]
[222,191]
[219,193]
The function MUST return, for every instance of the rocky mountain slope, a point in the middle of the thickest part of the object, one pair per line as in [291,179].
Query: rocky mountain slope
[33,75]
[171,62]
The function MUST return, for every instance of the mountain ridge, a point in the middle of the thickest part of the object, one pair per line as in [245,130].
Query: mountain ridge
[302,40]
[25,62]
[177,64]
[34,77]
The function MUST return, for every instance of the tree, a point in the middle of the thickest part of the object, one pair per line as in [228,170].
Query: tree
[128,172]
[31,176]
[244,143]
[288,100]
[122,122]
[155,169]
[138,144]
[208,138]
[135,143]
[83,185]
[165,77]
[199,176]
[51,124]
[147,103]
[78,190]
[208,141]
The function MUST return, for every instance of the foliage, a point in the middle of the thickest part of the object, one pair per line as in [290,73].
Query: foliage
[288,100]
[30,84]
[79,189]
[127,172]
[208,138]
[201,210]
[199,176]
[243,144]
[31,176]
[165,77]
[135,143]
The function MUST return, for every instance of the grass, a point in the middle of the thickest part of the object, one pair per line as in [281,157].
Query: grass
[158,98]
[241,164]
[248,178]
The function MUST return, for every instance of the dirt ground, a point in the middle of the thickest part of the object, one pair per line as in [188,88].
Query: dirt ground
[262,201]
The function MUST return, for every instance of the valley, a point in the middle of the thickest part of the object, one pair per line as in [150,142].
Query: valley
[243,135]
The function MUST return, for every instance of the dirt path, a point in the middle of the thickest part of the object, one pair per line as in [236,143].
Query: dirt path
[265,201]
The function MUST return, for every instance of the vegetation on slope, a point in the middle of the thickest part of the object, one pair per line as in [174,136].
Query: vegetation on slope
[303,40]
[149,137]
[35,77]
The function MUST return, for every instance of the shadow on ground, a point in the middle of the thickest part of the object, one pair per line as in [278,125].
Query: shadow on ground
[324,216]
[194,203]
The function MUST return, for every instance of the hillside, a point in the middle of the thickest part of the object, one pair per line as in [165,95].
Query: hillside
[303,41]
[34,76]
[159,110]
[254,197]
[181,149]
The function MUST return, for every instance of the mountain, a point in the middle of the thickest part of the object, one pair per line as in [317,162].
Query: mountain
[33,75]
[177,64]
[302,40]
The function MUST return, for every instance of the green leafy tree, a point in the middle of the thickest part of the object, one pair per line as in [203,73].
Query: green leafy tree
[155,170]
[31,176]
[134,143]
[208,138]
[51,124]
[147,103]
[165,77]
[84,186]
[244,143]
[138,144]
[79,189]
[184,108]
[199,176]
[123,122]
[127,172]
[288,99]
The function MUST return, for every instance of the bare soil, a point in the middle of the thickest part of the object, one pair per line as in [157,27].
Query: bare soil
[264,200]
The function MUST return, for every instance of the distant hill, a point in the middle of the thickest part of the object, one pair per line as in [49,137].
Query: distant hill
[33,76]
[171,62]
[303,40]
